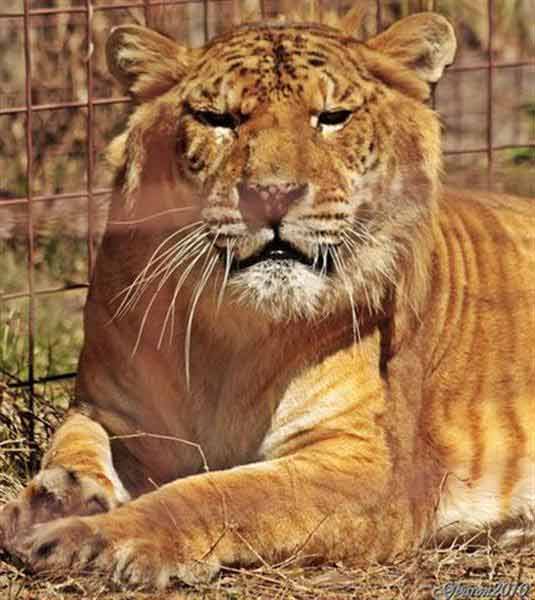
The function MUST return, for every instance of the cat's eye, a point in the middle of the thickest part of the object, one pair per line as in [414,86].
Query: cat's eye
[216,119]
[336,117]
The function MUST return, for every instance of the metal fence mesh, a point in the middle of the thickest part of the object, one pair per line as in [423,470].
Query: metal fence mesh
[59,108]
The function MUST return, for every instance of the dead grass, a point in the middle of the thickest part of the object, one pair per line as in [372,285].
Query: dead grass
[420,577]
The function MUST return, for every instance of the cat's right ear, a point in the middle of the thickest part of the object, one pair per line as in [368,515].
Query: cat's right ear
[146,63]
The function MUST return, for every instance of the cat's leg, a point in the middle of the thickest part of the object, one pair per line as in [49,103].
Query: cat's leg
[77,477]
[340,494]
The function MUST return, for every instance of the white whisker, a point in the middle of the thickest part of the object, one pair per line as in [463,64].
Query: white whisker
[349,291]
[154,258]
[184,250]
[207,272]
[153,216]
[160,265]
[228,264]
[200,251]
[346,241]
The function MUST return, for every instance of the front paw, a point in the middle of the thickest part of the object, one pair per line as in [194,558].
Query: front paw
[54,493]
[99,545]
[59,546]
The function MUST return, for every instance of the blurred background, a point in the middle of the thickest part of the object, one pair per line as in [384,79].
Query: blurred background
[52,59]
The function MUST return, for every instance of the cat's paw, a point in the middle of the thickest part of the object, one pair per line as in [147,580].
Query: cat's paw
[104,546]
[54,493]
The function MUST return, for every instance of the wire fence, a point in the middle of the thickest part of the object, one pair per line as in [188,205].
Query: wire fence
[197,21]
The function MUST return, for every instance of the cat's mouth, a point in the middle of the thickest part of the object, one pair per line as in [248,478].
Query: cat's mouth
[279,251]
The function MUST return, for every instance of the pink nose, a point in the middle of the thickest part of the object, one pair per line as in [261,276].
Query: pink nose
[263,205]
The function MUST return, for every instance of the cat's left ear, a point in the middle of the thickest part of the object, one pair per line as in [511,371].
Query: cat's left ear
[424,43]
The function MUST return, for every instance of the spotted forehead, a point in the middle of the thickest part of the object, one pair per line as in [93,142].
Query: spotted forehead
[280,58]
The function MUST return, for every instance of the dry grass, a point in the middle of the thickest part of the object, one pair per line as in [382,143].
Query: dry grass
[419,577]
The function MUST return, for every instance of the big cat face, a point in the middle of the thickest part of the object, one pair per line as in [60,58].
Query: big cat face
[310,157]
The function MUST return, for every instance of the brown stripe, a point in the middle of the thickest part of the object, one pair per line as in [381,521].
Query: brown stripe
[517,446]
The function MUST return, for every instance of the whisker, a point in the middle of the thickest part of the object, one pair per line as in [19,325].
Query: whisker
[153,216]
[155,254]
[348,288]
[386,275]
[325,253]
[178,254]
[316,258]
[200,249]
[346,241]
[160,286]
[212,245]
[208,270]
[228,264]
[135,290]
[362,236]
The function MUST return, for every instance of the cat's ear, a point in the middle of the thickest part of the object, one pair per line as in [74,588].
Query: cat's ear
[425,43]
[145,62]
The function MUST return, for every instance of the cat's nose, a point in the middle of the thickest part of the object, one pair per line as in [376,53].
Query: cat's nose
[267,205]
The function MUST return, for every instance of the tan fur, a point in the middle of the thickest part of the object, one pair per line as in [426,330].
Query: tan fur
[281,410]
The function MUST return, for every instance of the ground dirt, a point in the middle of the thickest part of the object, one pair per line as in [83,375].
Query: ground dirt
[428,575]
